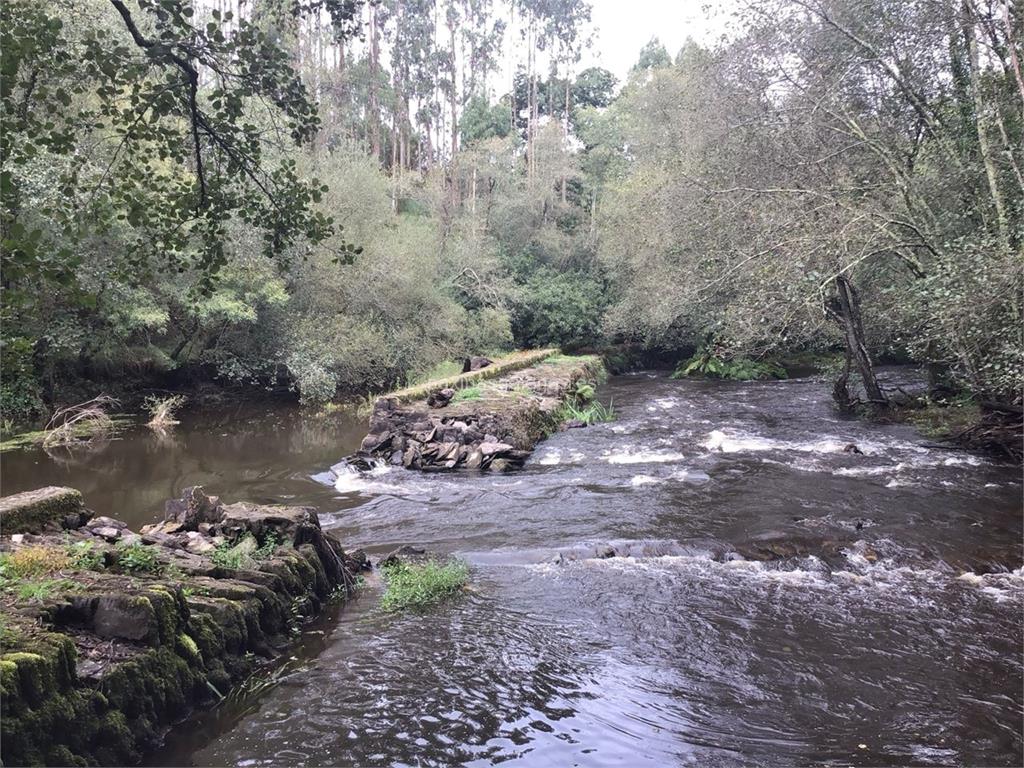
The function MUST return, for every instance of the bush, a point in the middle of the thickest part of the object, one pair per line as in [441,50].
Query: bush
[558,309]
[420,585]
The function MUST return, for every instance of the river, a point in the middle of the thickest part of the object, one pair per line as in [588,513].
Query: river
[887,631]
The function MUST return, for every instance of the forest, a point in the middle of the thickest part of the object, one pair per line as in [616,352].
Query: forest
[334,197]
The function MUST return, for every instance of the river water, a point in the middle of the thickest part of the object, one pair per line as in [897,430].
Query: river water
[886,631]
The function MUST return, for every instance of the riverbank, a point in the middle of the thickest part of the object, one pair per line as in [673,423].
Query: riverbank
[110,636]
[486,419]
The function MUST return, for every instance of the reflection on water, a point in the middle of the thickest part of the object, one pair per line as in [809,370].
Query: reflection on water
[253,452]
[618,615]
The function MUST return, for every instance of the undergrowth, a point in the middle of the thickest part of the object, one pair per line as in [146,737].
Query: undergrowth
[706,363]
[419,585]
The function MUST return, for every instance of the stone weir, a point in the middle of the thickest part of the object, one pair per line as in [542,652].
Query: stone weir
[490,418]
[108,637]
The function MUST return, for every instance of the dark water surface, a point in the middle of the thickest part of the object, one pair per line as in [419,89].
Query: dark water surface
[907,650]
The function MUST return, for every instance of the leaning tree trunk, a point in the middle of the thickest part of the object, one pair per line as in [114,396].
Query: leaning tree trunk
[847,314]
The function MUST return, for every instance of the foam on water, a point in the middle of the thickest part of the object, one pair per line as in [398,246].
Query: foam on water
[694,476]
[638,480]
[348,479]
[630,455]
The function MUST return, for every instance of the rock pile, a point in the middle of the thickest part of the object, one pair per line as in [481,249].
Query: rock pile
[495,430]
[416,440]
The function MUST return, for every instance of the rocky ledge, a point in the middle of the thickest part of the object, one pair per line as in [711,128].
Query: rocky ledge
[491,423]
[108,637]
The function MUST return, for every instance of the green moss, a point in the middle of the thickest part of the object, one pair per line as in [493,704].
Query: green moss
[36,675]
[205,633]
[9,689]
[188,648]
[168,612]
[513,362]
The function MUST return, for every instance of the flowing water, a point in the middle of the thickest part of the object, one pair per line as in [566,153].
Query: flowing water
[618,616]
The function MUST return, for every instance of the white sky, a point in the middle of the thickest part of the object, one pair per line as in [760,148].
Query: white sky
[625,26]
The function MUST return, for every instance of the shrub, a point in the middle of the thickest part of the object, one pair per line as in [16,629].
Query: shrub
[420,585]
[558,309]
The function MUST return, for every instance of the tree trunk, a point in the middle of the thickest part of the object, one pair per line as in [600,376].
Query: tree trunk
[565,128]
[982,122]
[374,98]
[847,314]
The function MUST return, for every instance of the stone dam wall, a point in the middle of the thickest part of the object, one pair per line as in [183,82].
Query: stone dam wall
[111,636]
[477,422]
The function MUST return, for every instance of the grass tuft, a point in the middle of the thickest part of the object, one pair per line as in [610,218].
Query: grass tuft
[245,553]
[40,589]
[468,393]
[138,558]
[29,562]
[417,586]
[589,413]
[446,369]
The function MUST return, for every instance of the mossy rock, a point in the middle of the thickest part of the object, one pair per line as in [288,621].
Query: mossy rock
[35,511]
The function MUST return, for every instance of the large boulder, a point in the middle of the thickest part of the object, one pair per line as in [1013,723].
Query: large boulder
[52,507]
[131,617]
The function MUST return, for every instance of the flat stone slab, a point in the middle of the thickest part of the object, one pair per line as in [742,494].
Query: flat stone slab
[34,511]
